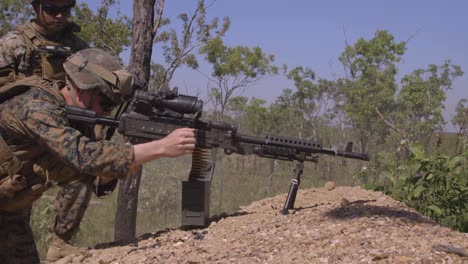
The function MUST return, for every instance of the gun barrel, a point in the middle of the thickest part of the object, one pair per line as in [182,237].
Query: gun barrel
[345,154]
[222,126]
[353,155]
[250,139]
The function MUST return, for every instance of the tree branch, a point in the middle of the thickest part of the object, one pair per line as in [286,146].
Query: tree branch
[388,123]
[157,23]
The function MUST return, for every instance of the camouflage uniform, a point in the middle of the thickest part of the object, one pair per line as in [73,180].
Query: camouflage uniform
[34,126]
[72,200]
[16,238]
[15,48]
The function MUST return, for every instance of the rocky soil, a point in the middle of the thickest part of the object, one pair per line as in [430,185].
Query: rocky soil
[340,225]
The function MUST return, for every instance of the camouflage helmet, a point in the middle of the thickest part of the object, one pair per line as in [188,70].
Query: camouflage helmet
[93,68]
[73,2]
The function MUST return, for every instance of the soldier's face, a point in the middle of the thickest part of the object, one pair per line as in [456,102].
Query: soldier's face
[53,15]
[93,100]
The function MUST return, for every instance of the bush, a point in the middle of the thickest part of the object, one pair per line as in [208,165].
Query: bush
[436,186]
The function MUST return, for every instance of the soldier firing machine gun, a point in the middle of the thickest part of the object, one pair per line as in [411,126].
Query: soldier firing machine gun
[153,116]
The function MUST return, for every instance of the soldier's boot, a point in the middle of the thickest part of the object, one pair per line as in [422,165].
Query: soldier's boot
[59,248]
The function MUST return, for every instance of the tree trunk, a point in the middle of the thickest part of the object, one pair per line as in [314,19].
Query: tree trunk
[243,164]
[255,165]
[364,138]
[218,161]
[270,174]
[127,203]
[140,62]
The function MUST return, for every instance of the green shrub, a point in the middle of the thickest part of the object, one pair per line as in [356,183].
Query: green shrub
[435,185]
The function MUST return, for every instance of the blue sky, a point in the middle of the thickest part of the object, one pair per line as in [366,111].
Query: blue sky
[313,34]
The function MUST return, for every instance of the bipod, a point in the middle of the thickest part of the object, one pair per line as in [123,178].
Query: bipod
[294,187]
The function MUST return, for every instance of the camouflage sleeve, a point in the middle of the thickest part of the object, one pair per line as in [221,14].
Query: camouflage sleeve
[49,126]
[12,50]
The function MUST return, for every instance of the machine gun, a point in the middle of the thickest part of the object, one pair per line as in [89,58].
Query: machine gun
[154,116]
[53,50]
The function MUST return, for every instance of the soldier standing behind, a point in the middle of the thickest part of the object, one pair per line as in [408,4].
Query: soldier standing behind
[39,48]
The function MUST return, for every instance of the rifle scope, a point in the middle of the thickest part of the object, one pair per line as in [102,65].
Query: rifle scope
[182,104]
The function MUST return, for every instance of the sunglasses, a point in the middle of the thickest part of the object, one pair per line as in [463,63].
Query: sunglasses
[55,10]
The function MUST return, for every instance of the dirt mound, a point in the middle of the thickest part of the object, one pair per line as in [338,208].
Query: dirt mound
[342,225]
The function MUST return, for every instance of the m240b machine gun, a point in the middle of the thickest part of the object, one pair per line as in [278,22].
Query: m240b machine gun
[154,116]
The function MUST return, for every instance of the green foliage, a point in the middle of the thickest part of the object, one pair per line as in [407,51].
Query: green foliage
[14,13]
[253,113]
[178,47]
[421,100]
[283,117]
[376,55]
[236,108]
[315,104]
[371,66]
[100,31]
[383,115]
[42,217]
[461,116]
[436,185]
[251,63]
[234,68]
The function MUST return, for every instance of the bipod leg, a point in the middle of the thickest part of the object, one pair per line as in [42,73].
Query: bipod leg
[294,187]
